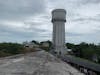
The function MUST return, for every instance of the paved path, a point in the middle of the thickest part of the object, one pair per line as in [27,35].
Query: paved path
[36,63]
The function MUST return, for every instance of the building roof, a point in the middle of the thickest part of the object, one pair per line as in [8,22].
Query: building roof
[36,63]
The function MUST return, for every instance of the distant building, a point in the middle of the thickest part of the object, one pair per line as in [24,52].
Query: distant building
[30,44]
[95,58]
[45,44]
[69,51]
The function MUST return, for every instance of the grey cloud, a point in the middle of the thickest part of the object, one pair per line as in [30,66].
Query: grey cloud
[74,34]
[39,30]
[11,34]
[35,15]
[35,27]
[26,33]
[87,19]
[89,1]
[90,38]
[20,9]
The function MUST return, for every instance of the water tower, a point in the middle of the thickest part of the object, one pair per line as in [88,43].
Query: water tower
[58,20]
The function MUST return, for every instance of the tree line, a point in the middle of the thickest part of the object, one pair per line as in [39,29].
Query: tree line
[84,50]
[7,49]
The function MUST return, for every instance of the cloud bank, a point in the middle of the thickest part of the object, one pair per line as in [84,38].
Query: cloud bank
[22,20]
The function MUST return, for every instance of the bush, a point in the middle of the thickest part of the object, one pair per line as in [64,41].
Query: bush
[10,49]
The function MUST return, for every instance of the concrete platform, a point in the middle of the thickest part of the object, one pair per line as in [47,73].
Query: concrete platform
[36,63]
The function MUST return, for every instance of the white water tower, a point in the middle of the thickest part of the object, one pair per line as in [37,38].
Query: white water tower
[58,20]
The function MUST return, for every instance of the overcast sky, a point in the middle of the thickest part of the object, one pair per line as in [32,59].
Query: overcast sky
[22,20]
